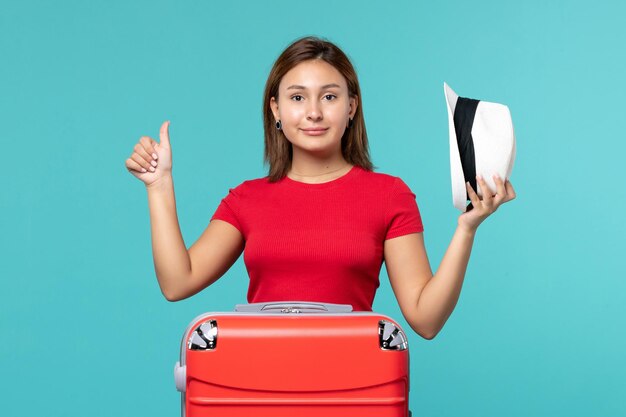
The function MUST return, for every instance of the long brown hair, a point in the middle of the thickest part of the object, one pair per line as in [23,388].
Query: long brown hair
[278,151]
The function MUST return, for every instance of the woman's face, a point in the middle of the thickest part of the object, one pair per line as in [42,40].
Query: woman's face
[314,108]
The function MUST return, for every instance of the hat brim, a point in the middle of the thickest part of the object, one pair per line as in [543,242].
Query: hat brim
[459,192]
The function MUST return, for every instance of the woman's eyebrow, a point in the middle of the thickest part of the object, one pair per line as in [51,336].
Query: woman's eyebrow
[301,87]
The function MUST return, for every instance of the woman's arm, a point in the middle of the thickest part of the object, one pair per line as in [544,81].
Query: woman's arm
[427,300]
[182,273]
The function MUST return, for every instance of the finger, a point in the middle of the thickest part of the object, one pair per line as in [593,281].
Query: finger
[501,190]
[142,162]
[510,192]
[134,166]
[472,195]
[164,134]
[486,191]
[141,151]
[148,145]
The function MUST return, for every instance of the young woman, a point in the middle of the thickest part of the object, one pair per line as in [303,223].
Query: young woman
[320,225]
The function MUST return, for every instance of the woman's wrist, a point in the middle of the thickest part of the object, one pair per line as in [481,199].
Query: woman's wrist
[165,182]
[467,230]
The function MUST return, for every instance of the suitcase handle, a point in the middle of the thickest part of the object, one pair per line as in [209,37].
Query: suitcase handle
[293,307]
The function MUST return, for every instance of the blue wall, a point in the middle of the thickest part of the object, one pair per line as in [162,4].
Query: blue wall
[84,330]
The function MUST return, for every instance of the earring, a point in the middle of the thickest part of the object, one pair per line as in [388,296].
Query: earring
[349,123]
[279,125]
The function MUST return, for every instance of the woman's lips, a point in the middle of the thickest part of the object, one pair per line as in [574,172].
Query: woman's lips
[317,131]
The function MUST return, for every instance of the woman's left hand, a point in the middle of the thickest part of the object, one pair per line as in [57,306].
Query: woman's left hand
[489,203]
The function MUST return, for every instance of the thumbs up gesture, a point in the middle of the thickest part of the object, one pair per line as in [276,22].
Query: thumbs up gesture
[151,161]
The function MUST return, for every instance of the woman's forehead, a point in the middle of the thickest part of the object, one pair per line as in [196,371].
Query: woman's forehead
[314,74]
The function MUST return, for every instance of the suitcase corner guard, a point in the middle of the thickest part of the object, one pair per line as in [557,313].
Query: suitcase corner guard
[391,337]
[204,337]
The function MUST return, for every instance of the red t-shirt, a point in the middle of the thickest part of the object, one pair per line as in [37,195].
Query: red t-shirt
[319,242]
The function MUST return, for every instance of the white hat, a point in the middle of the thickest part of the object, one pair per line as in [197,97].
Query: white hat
[482,142]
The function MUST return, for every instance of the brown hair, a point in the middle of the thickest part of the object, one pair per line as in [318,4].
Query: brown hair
[278,151]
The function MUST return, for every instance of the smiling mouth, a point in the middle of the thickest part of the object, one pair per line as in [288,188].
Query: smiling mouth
[315,131]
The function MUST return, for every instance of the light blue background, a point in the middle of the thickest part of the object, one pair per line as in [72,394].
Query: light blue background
[84,330]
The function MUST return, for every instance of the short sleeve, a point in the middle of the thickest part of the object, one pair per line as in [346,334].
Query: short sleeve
[403,216]
[229,209]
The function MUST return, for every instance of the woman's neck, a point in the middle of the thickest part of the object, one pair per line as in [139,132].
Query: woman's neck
[314,171]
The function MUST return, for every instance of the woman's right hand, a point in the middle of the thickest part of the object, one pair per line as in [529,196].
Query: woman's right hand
[152,161]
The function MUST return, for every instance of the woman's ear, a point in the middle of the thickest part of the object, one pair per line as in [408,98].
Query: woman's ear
[354,103]
[274,107]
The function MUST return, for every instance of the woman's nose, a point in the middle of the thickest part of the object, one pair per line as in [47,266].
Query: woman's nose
[314,112]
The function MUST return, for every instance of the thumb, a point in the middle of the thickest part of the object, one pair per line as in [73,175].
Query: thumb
[164,134]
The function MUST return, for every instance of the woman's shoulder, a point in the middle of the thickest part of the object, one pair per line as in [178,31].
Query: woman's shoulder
[380,179]
[251,186]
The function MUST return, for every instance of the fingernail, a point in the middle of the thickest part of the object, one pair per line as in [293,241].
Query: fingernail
[153,163]
[155,156]
[152,169]
[144,170]
[479,178]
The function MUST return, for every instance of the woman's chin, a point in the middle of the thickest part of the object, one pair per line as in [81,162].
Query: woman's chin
[318,151]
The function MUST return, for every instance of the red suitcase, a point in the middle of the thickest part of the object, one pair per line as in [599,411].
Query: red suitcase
[293,359]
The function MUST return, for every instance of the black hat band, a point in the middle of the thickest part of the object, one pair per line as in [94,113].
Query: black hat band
[464,113]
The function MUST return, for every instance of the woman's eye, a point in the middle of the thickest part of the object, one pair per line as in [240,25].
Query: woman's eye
[329,97]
